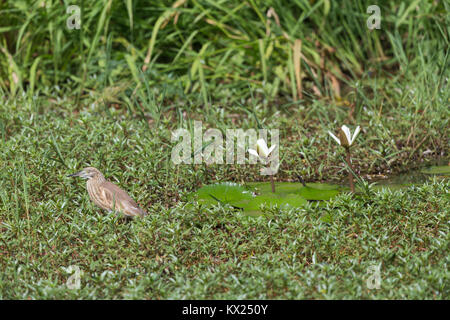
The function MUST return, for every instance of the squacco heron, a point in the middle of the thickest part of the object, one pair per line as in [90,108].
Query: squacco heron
[107,195]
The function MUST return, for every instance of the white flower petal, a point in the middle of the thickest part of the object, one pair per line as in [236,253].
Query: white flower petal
[334,137]
[355,134]
[348,135]
[253,152]
[262,148]
[271,148]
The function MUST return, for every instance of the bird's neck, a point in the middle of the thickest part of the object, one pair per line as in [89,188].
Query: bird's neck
[96,181]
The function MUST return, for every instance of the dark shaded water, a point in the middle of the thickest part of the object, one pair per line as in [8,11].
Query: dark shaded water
[441,171]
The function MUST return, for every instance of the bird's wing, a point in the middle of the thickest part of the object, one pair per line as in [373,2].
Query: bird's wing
[120,200]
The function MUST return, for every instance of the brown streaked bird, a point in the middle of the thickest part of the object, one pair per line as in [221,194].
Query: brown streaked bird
[107,195]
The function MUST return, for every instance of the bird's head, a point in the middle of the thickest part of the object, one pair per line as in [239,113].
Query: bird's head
[87,173]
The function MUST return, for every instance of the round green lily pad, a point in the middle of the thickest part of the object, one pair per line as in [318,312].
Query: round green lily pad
[243,198]
[287,201]
[225,193]
[312,191]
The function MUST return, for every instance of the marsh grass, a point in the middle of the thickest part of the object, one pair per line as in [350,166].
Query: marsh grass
[217,49]
[184,250]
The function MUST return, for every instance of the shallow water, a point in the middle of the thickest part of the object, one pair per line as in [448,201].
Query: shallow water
[417,176]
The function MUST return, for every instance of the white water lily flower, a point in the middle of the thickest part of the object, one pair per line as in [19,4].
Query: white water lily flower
[345,138]
[262,151]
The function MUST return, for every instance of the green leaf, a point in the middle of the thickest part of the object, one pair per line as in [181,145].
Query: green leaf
[272,200]
[241,197]
[225,193]
[313,191]
[33,75]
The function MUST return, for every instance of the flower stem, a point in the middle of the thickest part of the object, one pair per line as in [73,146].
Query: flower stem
[350,175]
[272,184]
[300,178]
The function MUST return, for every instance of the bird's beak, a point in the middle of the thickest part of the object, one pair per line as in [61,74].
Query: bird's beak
[76,174]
